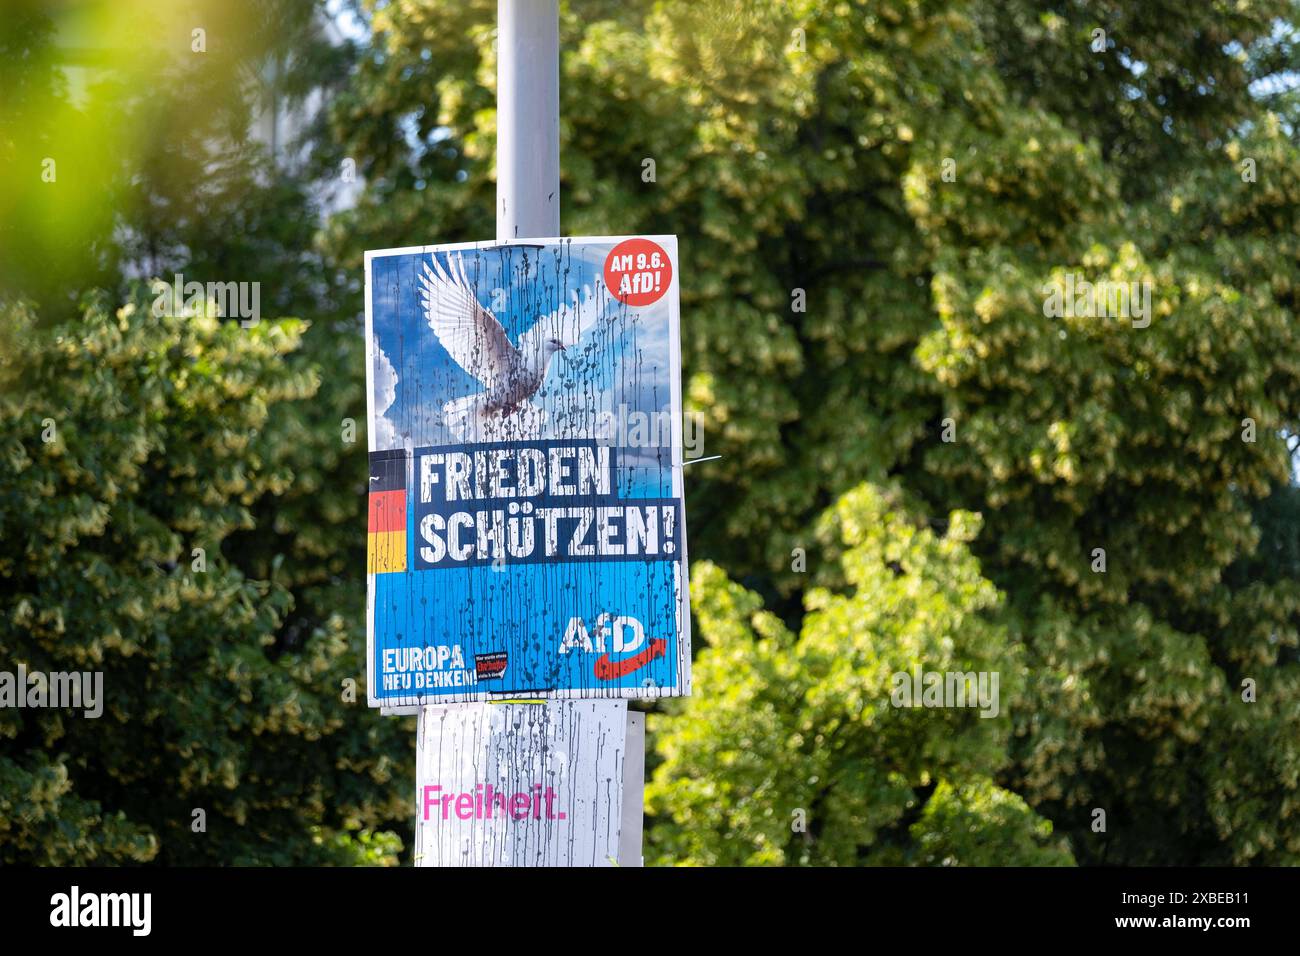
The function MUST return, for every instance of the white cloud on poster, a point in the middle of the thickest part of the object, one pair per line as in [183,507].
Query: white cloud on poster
[385,380]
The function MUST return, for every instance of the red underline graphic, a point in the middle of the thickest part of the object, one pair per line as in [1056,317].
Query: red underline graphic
[613,670]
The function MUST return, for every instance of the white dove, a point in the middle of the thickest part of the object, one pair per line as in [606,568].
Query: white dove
[473,336]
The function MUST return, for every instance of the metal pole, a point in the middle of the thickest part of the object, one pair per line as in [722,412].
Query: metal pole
[528,119]
[528,207]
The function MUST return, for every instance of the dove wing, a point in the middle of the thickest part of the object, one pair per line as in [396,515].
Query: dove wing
[470,333]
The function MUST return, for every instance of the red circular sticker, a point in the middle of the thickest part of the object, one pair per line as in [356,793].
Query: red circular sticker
[637,272]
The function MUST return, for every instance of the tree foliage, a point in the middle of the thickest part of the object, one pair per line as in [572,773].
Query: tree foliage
[233,675]
[796,757]
[168,433]
[925,172]
[874,200]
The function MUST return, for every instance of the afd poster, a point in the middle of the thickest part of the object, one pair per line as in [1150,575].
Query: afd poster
[527,534]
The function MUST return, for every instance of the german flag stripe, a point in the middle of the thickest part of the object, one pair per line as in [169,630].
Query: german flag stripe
[386,542]
[386,552]
[387,511]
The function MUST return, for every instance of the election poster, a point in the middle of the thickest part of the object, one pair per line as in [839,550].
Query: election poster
[523,784]
[527,531]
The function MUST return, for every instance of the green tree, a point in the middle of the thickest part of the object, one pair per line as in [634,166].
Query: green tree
[795,751]
[137,449]
[225,687]
[920,176]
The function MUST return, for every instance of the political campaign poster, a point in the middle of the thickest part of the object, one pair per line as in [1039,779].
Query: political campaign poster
[524,784]
[527,532]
